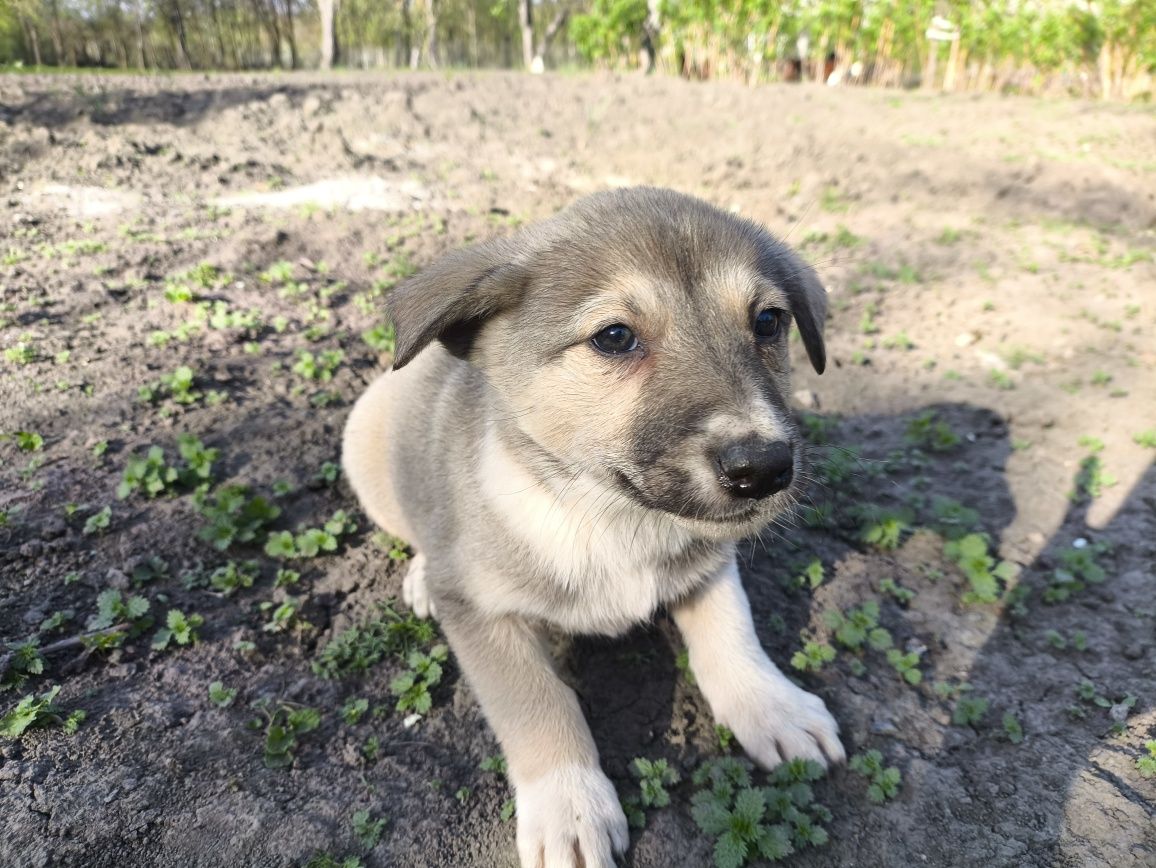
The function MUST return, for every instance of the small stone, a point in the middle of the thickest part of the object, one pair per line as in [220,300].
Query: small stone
[883,726]
[115,578]
[807,399]
[966,339]
[1133,651]
[53,528]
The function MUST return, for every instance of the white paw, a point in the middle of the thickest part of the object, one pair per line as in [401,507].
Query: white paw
[777,722]
[414,590]
[570,818]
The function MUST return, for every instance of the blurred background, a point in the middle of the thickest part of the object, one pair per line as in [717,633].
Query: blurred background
[1097,49]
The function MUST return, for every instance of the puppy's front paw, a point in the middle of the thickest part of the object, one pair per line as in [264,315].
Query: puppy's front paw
[778,722]
[414,590]
[570,818]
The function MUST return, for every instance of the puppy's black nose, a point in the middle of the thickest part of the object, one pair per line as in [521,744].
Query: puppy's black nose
[756,468]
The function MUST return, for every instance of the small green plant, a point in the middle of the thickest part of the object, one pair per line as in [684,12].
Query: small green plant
[98,521]
[1091,478]
[234,515]
[969,711]
[386,635]
[859,626]
[179,628]
[371,748]
[927,431]
[749,823]
[813,656]
[907,665]
[22,353]
[321,366]
[281,615]
[982,570]
[310,542]
[1146,765]
[951,519]
[112,607]
[884,530]
[177,386]
[811,576]
[725,737]
[284,578]
[234,576]
[28,441]
[381,338]
[24,662]
[1078,568]
[1001,380]
[412,688]
[395,548]
[220,695]
[353,710]
[367,830]
[36,712]
[283,724]
[152,476]
[495,764]
[1012,728]
[883,781]
[654,776]
[1147,438]
[901,595]
[899,342]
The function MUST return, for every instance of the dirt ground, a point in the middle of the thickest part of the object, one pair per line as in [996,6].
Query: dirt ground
[990,261]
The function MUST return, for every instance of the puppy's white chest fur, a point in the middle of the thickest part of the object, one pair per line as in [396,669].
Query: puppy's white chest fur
[596,562]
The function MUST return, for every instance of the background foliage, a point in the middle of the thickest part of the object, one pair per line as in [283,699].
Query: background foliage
[1087,47]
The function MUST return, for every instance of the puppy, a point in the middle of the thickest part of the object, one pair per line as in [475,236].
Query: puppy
[580,423]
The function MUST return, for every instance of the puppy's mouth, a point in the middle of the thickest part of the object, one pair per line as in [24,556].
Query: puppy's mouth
[740,514]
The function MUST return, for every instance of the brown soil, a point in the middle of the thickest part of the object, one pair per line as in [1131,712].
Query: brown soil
[995,234]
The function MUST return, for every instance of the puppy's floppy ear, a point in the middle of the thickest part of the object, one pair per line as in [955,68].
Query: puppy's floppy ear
[452,299]
[807,296]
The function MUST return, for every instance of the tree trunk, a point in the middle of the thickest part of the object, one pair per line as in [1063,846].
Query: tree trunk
[431,33]
[217,32]
[526,25]
[407,34]
[31,39]
[328,34]
[57,34]
[538,64]
[290,34]
[140,36]
[472,19]
[650,29]
[177,20]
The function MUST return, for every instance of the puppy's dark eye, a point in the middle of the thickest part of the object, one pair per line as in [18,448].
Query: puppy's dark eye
[769,322]
[615,340]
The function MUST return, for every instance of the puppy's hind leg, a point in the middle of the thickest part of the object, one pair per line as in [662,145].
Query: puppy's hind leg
[414,589]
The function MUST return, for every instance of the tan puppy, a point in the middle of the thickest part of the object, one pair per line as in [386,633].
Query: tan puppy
[580,422]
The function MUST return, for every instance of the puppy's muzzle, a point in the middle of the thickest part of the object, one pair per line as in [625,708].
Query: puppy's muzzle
[754,468]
